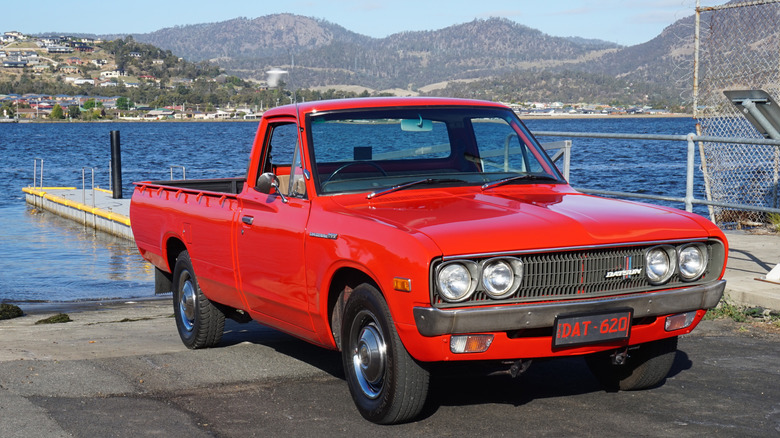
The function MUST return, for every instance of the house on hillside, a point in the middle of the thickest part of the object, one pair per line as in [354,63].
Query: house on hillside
[8,63]
[59,49]
[111,74]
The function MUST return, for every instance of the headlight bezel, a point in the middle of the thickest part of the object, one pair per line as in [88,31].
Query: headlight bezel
[480,274]
[470,267]
[701,249]
[514,264]
[670,254]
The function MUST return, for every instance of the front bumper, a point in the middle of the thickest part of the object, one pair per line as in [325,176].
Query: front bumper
[435,322]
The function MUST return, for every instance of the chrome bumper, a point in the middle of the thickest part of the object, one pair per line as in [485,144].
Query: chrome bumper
[434,322]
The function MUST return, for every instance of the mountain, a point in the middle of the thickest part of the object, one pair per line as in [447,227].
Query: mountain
[327,54]
[493,58]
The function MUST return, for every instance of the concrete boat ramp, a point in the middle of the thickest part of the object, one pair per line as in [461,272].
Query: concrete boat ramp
[751,256]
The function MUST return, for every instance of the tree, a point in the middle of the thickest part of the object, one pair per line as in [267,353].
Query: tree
[92,103]
[74,112]
[57,113]
[124,103]
[7,110]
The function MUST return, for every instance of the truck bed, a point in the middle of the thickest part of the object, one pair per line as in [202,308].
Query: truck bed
[231,186]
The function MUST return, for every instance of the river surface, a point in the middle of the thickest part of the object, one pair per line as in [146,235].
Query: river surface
[44,258]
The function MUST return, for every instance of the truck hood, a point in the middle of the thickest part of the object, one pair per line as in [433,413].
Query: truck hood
[509,220]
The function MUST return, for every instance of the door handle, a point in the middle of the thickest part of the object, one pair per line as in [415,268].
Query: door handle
[249,220]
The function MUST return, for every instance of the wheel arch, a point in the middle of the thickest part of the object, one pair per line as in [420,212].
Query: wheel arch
[173,247]
[343,281]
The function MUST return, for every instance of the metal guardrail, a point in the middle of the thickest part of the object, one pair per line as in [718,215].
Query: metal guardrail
[689,200]
[564,152]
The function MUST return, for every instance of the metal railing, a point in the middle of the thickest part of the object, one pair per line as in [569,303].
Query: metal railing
[689,200]
[36,170]
[84,186]
[183,171]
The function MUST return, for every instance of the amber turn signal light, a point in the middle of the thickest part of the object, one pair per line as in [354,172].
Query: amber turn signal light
[470,343]
[402,284]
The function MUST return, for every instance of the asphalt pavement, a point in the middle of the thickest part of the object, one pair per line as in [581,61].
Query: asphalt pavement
[119,369]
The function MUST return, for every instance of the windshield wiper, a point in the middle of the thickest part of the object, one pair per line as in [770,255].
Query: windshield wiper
[413,183]
[527,177]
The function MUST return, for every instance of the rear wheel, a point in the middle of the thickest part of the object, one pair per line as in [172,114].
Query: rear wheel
[199,321]
[645,367]
[387,385]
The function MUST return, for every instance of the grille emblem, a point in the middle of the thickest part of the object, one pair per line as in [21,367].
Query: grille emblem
[626,272]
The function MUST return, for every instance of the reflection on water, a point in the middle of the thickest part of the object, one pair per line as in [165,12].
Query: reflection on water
[49,258]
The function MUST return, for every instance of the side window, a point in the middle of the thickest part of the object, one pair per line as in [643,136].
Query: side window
[283,159]
[284,140]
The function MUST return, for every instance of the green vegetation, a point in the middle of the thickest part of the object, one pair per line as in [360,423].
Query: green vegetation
[9,311]
[736,313]
[57,113]
[774,221]
[56,319]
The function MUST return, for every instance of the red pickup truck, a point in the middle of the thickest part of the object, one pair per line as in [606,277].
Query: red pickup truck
[408,232]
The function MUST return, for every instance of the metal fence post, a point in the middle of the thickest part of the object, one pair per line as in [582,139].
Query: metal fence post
[689,174]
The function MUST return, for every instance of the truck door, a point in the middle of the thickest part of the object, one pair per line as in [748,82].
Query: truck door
[271,237]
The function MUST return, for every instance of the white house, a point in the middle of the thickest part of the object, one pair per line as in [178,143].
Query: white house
[111,74]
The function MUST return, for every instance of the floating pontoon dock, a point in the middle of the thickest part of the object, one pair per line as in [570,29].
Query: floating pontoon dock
[94,208]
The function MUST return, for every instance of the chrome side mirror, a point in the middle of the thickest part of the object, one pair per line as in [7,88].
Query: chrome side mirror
[268,181]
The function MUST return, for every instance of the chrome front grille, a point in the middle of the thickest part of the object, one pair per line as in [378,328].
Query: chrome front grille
[576,274]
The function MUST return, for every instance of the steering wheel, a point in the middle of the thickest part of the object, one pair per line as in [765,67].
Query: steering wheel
[353,163]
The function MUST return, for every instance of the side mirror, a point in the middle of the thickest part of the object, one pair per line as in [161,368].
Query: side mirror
[268,181]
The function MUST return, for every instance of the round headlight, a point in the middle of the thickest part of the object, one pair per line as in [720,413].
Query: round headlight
[454,281]
[659,264]
[498,277]
[692,262]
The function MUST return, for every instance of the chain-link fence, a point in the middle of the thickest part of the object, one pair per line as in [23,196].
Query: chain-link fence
[738,49]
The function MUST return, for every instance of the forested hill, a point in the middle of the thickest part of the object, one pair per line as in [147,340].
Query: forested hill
[325,53]
[493,58]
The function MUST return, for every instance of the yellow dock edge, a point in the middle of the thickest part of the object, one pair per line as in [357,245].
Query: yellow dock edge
[41,192]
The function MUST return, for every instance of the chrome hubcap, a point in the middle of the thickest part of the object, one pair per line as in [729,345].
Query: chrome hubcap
[187,305]
[369,360]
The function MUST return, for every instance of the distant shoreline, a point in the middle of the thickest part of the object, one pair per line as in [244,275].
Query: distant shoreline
[605,116]
[521,116]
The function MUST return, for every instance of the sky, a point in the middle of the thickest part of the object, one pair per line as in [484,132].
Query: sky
[626,22]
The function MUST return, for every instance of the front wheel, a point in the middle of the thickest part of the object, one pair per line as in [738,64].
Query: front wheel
[645,367]
[387,385]
[199,321]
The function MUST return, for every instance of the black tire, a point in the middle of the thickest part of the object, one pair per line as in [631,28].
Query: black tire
[199,321]
[387,385]
[645,367]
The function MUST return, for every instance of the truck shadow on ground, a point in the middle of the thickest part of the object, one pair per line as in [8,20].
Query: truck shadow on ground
[255,333]
[453,386]
[550,378]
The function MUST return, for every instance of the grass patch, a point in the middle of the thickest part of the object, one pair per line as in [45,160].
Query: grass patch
[56,319]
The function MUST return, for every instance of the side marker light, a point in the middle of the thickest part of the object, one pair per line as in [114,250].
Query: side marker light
[402,284]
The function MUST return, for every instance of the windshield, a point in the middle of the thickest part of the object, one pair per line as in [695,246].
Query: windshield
[379,149]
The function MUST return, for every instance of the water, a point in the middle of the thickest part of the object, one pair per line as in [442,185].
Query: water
[47,258]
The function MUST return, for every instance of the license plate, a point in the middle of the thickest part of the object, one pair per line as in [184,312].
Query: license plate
[591,328]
